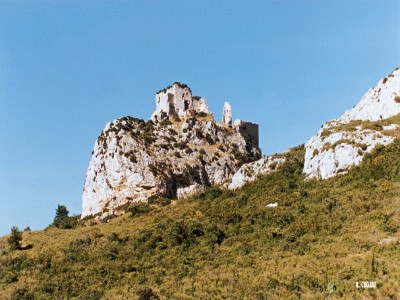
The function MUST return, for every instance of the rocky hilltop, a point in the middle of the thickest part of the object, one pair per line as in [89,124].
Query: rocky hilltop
[183,150]
[180,151]
[342,143]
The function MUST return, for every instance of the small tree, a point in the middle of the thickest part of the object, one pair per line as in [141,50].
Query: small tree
[61,215]
[62,220]
[14,240]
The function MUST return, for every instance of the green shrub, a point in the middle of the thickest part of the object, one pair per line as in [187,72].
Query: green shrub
[139,208]
[161,201]
[62,220]
[22,293]
[165,122]
[14,240]
[176,117]
[146,293]
[213,193]
[202,114]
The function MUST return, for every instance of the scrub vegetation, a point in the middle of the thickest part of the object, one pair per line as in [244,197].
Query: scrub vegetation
[322,238]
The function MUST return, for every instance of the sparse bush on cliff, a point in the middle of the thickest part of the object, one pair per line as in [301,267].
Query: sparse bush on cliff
[202,114]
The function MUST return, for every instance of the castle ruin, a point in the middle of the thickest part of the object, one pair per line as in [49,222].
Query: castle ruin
[177,99]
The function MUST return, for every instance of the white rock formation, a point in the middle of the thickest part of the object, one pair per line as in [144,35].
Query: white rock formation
[390,127]
[338,146]
[336,153]
[249,172]
[133,160]
[227,114]
[378,103]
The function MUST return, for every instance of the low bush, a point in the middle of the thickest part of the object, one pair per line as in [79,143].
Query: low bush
[138,208]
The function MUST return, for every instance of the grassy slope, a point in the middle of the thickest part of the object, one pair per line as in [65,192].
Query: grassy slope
[322,238]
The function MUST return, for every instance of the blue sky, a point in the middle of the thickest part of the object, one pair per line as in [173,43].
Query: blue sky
[69,67]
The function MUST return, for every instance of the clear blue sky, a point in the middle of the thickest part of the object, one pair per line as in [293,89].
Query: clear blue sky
[68,67]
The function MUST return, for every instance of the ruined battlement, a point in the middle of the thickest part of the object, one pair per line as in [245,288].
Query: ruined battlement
[247,129]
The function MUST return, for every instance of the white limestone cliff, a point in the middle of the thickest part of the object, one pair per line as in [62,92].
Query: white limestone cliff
[378,103]
[249,172]
[336,153]
[341,144]
[175,155]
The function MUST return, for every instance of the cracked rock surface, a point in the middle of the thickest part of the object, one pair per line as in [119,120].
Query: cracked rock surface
[133,160]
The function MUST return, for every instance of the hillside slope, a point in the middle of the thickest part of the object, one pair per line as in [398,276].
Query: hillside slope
[322,238]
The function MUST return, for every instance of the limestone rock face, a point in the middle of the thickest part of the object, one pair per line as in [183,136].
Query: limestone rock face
[172,156]
[378,103]
[341,144]
[227,114]
[330,153]
[249,172]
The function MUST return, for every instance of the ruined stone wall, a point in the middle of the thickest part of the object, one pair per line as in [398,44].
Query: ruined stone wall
[181,95]
[249,130]
[177,98]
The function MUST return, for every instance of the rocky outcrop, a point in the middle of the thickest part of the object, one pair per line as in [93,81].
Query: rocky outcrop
[249,172]
[378,103]
[175,155]
[341,144]
[183,150]
[334,152]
